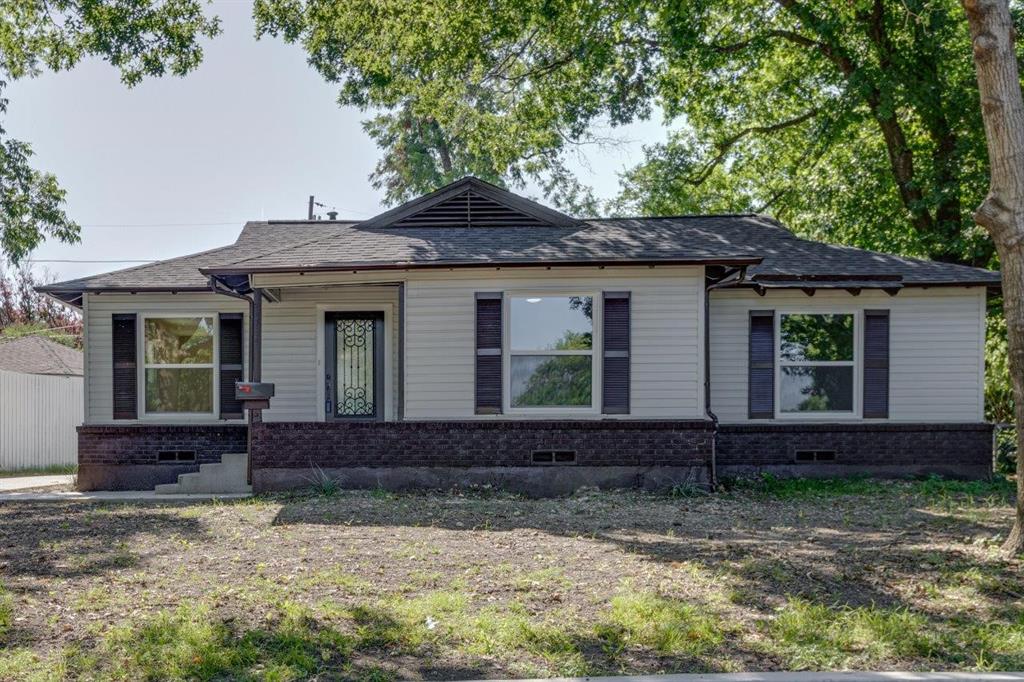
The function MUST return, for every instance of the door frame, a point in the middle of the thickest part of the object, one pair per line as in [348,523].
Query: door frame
[387,396]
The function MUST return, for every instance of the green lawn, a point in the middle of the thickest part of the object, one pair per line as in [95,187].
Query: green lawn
[768,575]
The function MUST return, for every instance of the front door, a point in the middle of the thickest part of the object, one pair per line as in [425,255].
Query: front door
[354,365]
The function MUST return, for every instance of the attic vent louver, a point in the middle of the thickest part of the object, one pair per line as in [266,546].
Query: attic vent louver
[469,209]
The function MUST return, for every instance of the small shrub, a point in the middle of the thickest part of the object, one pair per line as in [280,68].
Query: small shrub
[687,490]
[322,484]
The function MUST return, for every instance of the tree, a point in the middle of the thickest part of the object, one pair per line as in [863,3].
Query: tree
[24,311]
[1002,211]
[138,37]
[851,120]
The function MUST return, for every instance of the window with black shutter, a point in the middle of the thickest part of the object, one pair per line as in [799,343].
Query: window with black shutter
[488,353]
[761,372]
[230,369]
[876,364]
[615,373]
[124,363]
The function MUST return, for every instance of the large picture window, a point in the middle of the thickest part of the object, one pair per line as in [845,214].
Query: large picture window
[816,363]
[178,357]
[551,340]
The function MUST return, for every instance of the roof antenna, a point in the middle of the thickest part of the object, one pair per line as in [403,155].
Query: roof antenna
[310,217]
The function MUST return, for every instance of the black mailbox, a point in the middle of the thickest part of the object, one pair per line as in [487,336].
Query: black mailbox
[254,395]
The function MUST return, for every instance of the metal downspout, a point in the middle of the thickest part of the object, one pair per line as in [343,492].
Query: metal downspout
[726,280]
[255,300]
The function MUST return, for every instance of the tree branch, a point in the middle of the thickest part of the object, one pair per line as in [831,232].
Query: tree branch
[724,146]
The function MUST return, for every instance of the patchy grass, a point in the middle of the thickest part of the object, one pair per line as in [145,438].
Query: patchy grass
[378,586]
[54,470]
[815,636]
[6,612]
[998,490]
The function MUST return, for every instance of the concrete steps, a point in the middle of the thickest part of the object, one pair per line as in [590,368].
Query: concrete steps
[226,476]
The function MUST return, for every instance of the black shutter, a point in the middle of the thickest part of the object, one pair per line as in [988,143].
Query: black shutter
[125,366]
[615,374]
[230,364]
[761,377]
[488,353]
[876,364]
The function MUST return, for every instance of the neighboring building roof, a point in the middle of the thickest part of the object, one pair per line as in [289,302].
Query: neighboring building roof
[470,223]
[37,355]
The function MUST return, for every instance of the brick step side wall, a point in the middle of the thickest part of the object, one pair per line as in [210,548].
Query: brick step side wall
[126,457]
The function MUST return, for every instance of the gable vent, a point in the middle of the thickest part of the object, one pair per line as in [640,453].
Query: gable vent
[469,209]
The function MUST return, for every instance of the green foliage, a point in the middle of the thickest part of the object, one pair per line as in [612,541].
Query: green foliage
[998,388]
[138,37]
[857,122]
[49,470]
[565,380]
[24,311]
[6,612]
[803,488]
[933,489]
[816,337]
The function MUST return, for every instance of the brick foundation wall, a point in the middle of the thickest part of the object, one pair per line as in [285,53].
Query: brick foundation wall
[125,457]
[941,448]
[479,443]
[141,444]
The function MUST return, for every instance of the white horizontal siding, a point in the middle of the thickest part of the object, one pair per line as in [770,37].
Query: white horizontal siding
[666,336]
[291,352]
[38,416]
[97,314]
[937,343]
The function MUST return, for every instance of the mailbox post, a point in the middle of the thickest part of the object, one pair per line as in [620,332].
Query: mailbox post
[255,397]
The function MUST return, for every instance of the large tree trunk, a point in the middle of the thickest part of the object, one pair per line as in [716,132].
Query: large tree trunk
[1002,212]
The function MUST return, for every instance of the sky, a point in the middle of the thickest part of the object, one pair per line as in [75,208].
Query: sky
[177,165]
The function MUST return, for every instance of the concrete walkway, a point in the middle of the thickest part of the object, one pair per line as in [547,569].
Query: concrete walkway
[22,482]
[112,496]
[799,677]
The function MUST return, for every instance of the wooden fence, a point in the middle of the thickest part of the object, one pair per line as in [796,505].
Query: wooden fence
[38,416]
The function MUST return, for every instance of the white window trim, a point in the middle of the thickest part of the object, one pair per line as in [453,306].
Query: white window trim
[595,352]
[856,363]
[143,366]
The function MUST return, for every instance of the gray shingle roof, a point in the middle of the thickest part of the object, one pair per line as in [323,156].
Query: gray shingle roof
[772,251]
[36,355]
[679,239]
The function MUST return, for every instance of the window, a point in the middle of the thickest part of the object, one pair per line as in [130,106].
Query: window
[178,361]
[816,363]
[551,341]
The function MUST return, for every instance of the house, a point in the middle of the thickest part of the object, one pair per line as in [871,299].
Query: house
[41,403]
[474,336]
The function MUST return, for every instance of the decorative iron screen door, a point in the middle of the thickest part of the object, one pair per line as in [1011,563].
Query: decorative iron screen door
[354,376]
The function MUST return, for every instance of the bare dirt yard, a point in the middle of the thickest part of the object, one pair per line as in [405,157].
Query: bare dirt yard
[345,585]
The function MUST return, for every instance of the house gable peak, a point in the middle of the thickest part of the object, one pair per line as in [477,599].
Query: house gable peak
[470,202]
